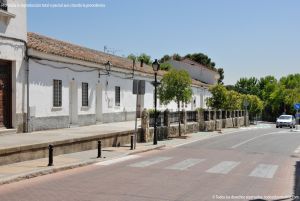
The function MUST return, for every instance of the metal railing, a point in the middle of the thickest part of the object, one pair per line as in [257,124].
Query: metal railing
[191,116]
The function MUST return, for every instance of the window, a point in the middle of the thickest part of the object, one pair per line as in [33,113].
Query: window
[3,5]
[117,96]
[57,93]
[85,94]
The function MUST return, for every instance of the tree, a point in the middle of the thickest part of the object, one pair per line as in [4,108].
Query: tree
[177,57]
[145,58]
[176,86]
[221,73]
[165,66]
[247,86]
[165,58]
[218,98]
[132,57]
[202,59]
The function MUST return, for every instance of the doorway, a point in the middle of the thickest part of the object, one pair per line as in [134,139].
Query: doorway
[5,94]
[73,99]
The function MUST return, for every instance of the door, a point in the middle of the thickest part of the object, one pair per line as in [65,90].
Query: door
[73,101]
[5,94]
[99,103]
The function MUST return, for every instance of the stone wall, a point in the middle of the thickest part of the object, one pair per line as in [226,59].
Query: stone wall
[206,120]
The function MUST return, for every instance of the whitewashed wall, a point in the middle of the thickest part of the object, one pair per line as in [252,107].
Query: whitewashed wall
[14,51]
[198,73]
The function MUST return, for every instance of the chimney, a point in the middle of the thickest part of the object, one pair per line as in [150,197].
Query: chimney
[142,63]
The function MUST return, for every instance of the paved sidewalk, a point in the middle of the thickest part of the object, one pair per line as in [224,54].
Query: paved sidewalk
[15,140]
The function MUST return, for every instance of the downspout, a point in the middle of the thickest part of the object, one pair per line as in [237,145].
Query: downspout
[26,58]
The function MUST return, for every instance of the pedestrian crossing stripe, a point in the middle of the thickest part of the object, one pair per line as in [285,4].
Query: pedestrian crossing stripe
[264,171]
[224,167]
[150,162]
[185,164]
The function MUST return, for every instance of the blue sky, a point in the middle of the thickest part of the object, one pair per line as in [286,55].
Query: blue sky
[245,37]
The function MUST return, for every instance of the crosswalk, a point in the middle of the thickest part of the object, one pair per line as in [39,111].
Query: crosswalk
[266,171]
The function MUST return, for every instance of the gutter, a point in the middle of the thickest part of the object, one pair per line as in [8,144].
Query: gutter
[27,75]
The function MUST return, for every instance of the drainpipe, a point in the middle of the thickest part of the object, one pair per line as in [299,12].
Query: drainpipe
[27,74]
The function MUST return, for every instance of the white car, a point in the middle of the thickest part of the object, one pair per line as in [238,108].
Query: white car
[286,120]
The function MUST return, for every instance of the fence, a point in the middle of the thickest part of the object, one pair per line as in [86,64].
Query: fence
[191,116]
[160,119]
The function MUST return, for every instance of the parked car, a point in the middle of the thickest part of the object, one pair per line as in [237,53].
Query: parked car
[286,120]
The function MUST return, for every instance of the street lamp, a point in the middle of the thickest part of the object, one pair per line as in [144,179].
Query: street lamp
[107,66]
[155,66]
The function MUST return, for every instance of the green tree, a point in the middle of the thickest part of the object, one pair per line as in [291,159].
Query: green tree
[202,59]
[145,58]
[221,73]
[176,86]
[218,98]
[132,57]
[165,66]
[165,58]
[247,86]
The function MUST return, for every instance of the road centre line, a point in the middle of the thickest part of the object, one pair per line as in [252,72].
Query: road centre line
[254,138]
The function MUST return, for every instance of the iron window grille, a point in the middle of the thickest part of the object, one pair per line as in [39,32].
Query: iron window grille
[117,96]
[57,93]
[85,94]
[3,5]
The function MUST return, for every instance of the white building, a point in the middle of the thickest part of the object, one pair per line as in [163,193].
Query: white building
[13,37]
[197,71]
[68,85]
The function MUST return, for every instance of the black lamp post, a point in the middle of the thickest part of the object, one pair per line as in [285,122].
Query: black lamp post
[155,66]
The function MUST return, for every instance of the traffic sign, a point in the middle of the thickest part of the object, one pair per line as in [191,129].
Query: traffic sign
[246,103]
[297,106]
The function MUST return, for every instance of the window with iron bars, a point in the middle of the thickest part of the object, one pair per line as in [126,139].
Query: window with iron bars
[57,93]
[3,5]
[85,94]
[117,96]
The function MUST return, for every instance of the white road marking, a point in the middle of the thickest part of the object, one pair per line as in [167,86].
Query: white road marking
[117,160]
[264,171]
[223,167]
[184,165]
[149,162]
[252,139]
[297,151]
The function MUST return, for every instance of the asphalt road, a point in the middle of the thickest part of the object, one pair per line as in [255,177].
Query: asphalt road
[258,164]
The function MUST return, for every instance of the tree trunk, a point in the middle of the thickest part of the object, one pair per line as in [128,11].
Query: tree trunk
[179,122]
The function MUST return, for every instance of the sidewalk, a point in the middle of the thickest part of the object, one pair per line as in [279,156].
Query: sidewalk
[33,168]
[15,140]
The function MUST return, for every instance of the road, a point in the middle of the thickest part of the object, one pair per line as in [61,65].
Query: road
[258,164]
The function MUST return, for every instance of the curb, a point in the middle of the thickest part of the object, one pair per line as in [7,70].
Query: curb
[51,170]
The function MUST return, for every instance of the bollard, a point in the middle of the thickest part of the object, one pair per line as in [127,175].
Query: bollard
[131,142]
[99,149]
[50,155]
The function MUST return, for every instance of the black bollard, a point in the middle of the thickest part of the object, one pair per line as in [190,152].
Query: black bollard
[50,155]
[99,149]
[131,142]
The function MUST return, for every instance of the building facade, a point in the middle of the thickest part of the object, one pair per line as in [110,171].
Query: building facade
[13,65]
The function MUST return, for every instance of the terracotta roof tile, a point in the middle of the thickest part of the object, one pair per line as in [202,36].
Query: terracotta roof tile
[60,48]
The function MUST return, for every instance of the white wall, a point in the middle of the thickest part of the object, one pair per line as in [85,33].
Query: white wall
[17,26]
[42,73]
[196,72]
[14,51]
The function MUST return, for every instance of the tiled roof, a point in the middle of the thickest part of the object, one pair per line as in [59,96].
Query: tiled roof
[60,48]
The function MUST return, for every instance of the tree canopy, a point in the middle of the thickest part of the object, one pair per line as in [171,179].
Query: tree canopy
[232,100]
[278,96]
[175,86]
